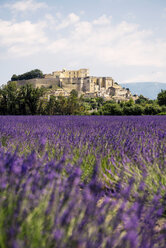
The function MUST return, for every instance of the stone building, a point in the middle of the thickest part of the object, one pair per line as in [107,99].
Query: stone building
[62,82]
[79,80]
[81,73]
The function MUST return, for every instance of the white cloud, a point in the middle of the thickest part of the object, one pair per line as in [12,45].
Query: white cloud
[21,37]
[97,42]
[59,46]
[70,20]
[102,20]
[124,44]
[82,30]
[21,32]
[50,19]
[22,50]
[26,5]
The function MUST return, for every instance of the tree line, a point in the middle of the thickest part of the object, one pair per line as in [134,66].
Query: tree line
[28,75]
[27,100]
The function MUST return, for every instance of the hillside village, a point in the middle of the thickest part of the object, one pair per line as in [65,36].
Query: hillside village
[61,83]
[69,92]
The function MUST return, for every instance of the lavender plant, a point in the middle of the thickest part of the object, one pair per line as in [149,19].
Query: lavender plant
[82,181]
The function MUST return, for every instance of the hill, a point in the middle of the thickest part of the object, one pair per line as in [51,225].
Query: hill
[147,89]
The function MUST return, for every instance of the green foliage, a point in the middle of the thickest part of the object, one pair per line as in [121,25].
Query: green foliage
[162,113]
[129,103]
[65,106]
[133,109]
[142,100]
[8,99]
[88,167]
[32,226]
[128,110]
[100,101]
[24,100]
[112,109]
[162,97]
[163,108]
[51,106]
[138,110]
[27,100]
[73,106]
[28,75]
[74,93]
[4,140]
[151,109]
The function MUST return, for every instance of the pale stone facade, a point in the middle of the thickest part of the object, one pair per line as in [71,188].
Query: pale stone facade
[81,81]
[82,73]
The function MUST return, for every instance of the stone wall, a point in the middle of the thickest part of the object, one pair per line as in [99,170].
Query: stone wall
[39,82]
[68,84]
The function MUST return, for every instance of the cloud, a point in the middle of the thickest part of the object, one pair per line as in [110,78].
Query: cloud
[25,5]
[23,51]
[124,44]
[71,19]
[103,20]
[50,19]
[82,30]
[96,42]
[59,46]
[21,38]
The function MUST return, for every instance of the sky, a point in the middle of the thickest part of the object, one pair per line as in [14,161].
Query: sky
[123,39]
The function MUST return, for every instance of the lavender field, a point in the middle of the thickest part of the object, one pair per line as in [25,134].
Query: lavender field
[82,181]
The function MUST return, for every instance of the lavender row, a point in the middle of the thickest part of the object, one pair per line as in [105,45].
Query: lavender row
[82,181]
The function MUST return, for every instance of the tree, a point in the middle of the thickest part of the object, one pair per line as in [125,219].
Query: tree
[128,110]
[61,106]
[29,97]
[152,109]
[53,106]
[28,75]
[14,77]
[162,97]
[142,100]
[138,109]
[129,103]
[112,109]
[100,101]
[9,99]
[73,104]
[74,93]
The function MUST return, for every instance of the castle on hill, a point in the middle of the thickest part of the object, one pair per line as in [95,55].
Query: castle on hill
[63,82]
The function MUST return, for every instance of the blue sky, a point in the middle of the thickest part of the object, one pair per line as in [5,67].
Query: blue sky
[125,39]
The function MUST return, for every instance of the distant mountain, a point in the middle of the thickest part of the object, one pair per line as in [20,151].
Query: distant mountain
[147,89]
